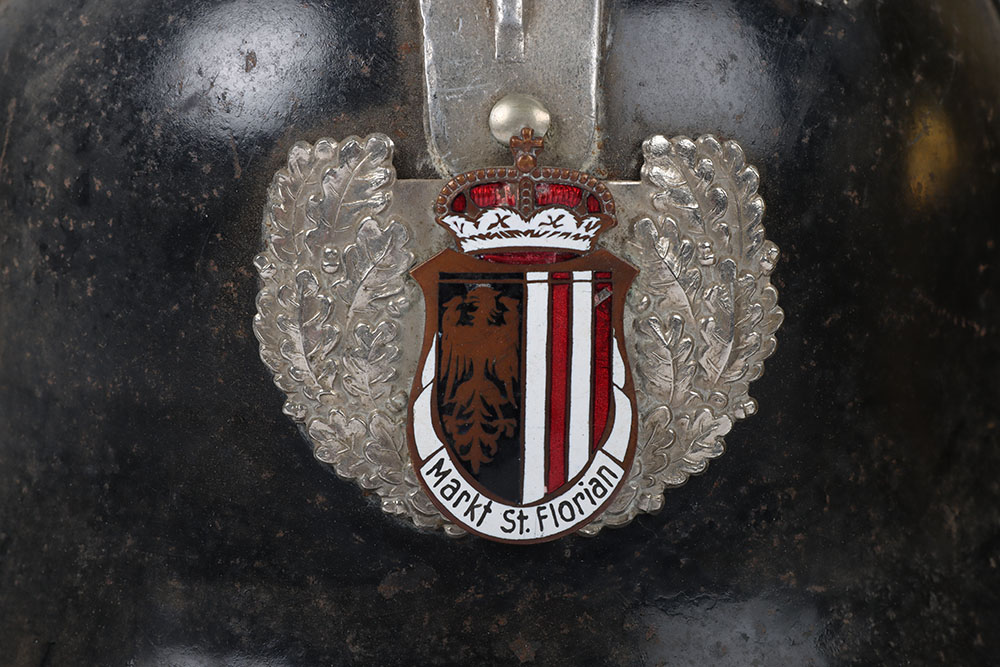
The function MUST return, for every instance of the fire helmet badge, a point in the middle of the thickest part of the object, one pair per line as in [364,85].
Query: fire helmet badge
[586,344]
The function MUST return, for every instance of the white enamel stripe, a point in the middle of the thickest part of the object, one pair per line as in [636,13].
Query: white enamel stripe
[423,431]
[427,376]
[617,365]
[621,430]
[535,387]
[580,390]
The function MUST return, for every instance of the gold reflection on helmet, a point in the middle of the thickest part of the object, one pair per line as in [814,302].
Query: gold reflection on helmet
[931,156]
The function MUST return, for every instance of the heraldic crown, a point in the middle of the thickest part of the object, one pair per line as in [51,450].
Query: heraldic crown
[505,209]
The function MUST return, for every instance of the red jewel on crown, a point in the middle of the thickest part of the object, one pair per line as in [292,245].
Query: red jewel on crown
[525,207]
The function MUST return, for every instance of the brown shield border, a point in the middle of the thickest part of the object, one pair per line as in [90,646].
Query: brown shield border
[452,261]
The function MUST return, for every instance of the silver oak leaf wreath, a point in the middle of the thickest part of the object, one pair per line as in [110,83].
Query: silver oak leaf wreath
[702,311]
[335,287]
[336,295]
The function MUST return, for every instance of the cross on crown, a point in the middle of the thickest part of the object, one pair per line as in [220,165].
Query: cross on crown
[526,149]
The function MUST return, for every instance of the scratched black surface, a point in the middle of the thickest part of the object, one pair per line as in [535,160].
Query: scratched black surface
[157,508]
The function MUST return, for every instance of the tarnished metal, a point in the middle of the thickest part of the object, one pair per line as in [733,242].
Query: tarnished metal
[508,30]
[559,67]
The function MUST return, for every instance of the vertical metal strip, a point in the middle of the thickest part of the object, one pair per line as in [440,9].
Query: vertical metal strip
[508,30]
[561,44]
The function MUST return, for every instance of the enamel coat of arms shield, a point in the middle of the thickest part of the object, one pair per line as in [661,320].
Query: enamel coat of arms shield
[522,422]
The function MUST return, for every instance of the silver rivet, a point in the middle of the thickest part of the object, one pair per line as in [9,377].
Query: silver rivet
[516,111]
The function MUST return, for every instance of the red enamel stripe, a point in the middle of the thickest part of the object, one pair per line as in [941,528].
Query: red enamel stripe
[529,257]
[557,193]
[494,194]
[558,375]
[602,358]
